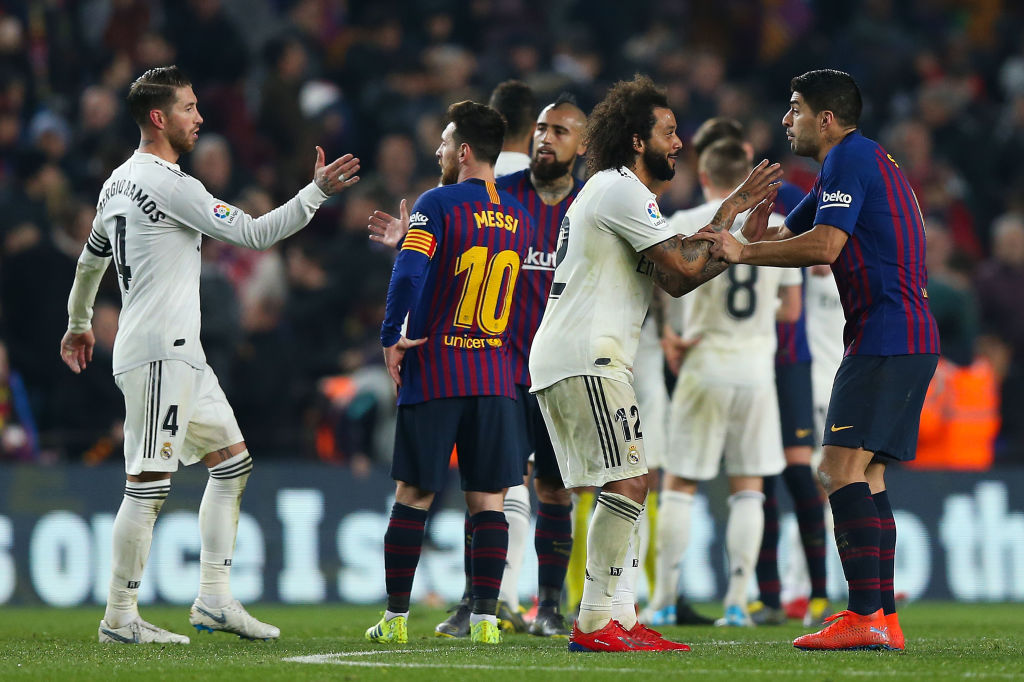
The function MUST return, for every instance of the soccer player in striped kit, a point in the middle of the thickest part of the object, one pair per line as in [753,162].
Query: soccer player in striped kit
[455,278]
[861,217]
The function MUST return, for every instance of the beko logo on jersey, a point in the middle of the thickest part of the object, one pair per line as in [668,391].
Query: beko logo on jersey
[539,260]
[418,219]
[127,188]
[837,198]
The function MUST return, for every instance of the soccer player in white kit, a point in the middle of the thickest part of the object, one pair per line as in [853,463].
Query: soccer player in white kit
[613,246]
[150,219]
[724,403]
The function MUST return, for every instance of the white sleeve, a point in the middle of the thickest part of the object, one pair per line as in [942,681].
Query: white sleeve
[634,216]
[190,204]
[88,273]
[682,222]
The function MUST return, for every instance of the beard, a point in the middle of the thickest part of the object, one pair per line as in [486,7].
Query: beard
[658,165]
[181,141]
[546,171]
[449,174]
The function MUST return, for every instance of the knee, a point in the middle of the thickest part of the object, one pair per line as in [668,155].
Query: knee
[634,488]
[549,492]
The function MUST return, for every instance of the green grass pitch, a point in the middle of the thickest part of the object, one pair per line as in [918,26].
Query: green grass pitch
[945,641]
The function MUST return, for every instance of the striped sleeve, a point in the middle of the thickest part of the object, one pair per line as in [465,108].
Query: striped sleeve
[98,244]
[421,241]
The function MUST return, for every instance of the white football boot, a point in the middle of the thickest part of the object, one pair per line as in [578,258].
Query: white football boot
[231,618]
[138,632]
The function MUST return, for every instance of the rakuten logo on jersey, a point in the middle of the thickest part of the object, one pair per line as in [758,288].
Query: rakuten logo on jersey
[837,198]
[539,260]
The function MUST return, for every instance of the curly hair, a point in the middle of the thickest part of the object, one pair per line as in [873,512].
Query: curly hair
[627,110]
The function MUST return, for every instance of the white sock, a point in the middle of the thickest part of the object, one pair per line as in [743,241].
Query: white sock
[517,513]
[743,542]
[475,618]
[643,542]
[673,536]
[624,599]
[218,524]
[132,536]
[388,615]
[611,530]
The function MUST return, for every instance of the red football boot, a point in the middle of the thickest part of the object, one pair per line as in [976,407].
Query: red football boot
[847,630]
[612,637]
[642,633]
[896,642]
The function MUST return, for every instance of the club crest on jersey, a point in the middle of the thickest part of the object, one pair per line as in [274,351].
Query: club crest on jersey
[418,219]
[633,455]
[166,451]
[835,199]
[654,213]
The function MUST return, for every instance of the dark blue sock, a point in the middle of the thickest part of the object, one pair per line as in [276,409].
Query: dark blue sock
[490,546]
[810,517]
[767,568]
[467,556]
[887,551]
[553,542]
[402,543]
[857,537]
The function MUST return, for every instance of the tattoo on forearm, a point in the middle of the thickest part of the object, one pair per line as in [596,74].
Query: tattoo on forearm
[718,221]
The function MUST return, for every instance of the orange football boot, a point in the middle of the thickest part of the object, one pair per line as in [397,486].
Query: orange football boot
[650,636]
[847,631]
[895,632]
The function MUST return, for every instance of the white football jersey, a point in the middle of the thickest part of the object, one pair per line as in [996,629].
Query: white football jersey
[825,320]
[734,313]
[602,286]
[150,218]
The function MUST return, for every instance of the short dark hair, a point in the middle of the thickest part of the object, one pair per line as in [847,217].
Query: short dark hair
[479,126]
[715,129]
[514,100]
[830,90]
[627,110]
[155,89]
[726,163]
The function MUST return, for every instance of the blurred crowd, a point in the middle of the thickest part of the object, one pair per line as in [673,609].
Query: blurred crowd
[293,332]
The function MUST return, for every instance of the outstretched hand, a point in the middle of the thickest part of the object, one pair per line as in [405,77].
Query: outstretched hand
[393,356]
[762,180]
[755,227]
[387,229]
[724,246]
[341,173]
[76,350]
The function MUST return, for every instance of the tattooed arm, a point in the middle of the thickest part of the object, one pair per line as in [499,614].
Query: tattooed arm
[684,263]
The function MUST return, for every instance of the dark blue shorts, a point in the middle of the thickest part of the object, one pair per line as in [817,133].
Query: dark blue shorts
[796,404]
[486,429]
[537,441]
[876,404]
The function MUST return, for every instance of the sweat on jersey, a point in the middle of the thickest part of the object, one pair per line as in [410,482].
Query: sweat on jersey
[734,313]
[880,272]
[602,285]
[150,219]
[456,277]
[538,266]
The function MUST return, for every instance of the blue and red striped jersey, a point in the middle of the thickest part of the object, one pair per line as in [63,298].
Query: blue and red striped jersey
[792,336]
[456,278]
[538,266]
[881,271]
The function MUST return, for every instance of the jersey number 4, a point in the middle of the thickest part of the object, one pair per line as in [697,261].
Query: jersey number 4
[486,300]
[123,271]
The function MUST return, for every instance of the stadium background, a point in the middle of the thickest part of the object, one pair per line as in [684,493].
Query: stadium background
[292,332]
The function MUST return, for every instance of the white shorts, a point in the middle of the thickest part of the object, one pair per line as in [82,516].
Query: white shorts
[173,413]
[708,420]
[594,425]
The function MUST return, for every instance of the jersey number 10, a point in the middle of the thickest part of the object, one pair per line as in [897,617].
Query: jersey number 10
[482,303]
